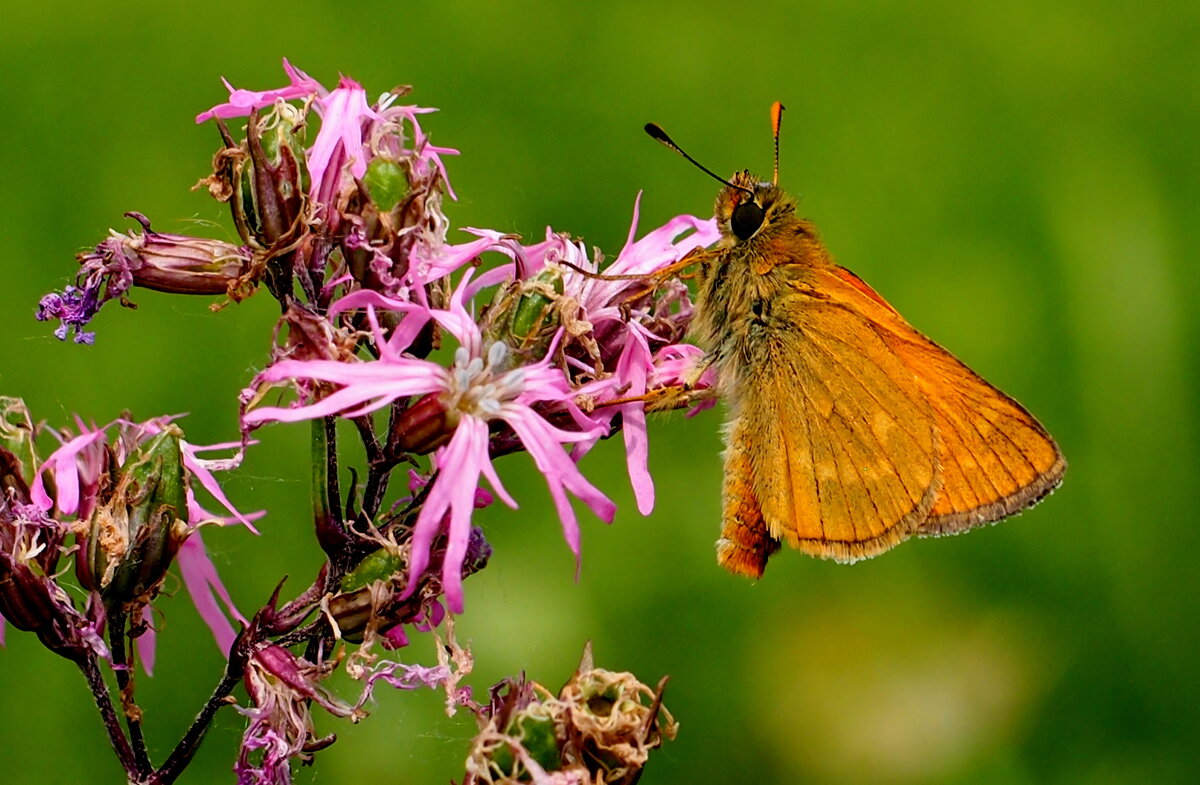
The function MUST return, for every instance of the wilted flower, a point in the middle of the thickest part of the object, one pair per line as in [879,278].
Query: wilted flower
[600,728]
[283,689]
[31,544]
[165,262]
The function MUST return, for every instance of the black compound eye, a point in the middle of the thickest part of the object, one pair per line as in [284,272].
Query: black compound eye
[746,219]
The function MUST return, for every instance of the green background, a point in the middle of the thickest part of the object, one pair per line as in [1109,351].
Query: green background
[1019,179]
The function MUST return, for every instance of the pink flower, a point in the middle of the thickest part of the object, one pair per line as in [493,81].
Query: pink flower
[622,337]
[242,102]
[76,467]
[340,140]
[479,389]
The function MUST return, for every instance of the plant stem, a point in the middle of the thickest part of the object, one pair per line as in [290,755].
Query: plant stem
[186,749]
[118,620]
[108,715]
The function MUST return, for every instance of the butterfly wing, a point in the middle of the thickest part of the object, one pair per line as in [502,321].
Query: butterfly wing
[862,432]
[995,458]
[837,436]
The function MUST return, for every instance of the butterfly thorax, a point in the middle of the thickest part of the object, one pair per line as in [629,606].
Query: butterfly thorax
[742,291]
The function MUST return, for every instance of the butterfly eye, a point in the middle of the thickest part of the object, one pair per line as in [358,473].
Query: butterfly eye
[746,219]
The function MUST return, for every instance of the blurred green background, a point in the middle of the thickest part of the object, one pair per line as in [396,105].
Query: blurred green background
[1020,179]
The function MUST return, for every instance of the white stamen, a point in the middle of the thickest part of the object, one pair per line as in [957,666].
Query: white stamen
[481,389]
[497,353]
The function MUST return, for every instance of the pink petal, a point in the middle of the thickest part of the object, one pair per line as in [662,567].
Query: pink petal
[204,585]
[539,438]
[344,111]
[66,474]
[368,386]
[482,498]
[462,506]
[146,643]
[453,490]
[242,102]
[632,369]
[199,471]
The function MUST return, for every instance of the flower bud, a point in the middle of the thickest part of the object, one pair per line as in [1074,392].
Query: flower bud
[16,436]
[163,262]
[140,524]
[528,318]
[172,263]
[424,426]
[386,183]
[269,185]
[367,592]
[34,603]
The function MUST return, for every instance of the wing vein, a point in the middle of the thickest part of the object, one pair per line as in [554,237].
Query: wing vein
[914,500]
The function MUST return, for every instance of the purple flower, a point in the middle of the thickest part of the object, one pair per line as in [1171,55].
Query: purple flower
[614,332]
[74,308]
[478,390]
[353,132]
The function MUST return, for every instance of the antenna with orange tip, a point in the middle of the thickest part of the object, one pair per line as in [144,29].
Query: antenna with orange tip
[776,120]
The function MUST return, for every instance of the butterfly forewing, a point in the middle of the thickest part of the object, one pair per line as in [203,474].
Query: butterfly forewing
[845,463]
[995,458]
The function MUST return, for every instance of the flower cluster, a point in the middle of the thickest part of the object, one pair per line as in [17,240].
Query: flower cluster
[444,353]
[123,508]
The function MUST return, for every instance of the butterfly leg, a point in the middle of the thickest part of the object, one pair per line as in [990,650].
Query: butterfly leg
[745,543]
[676,396]
[680,395]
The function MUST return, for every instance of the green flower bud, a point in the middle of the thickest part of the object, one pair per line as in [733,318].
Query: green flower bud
[353,607]
[136,531]
[386,182]
[524,313]
[533,312]
[16,434]
[378,566]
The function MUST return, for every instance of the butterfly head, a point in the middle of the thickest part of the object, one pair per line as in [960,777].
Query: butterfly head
[749,206]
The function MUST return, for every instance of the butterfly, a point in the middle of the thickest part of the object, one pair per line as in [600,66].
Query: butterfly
[848,430]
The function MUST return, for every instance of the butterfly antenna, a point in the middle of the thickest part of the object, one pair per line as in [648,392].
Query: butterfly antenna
[660,135]
[776,120]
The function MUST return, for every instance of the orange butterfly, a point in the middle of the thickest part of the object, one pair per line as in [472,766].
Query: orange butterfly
[848,430]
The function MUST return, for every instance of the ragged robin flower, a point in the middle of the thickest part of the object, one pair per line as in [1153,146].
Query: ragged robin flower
[479,389]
